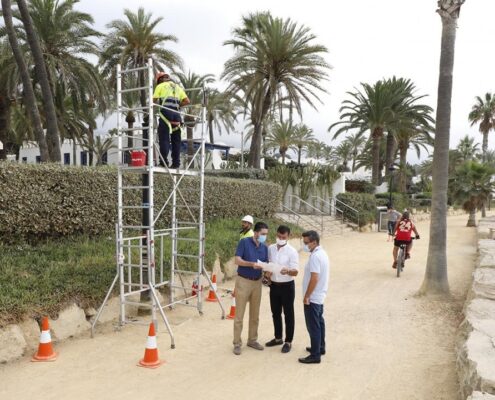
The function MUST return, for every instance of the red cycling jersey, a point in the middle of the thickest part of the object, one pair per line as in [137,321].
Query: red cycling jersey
[404,230]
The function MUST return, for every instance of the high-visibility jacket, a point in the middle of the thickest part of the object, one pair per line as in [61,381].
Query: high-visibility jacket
[246,234]
[170,95]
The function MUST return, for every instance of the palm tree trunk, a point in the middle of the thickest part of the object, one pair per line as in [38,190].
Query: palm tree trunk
[4,123]
[484,146]
[472,218]
[375,151]
[403,169]
[255,148]
[28,91]
[390,153]
[436,278]
[210,130]
[52,132]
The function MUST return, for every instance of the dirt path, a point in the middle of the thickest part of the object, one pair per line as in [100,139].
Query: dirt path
[383,343]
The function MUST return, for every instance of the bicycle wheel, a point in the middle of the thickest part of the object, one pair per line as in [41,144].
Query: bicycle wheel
[400,261]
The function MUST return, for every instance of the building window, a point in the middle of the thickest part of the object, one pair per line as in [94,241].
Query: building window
[66,158]
[38,159]
[24,160]
[84,158]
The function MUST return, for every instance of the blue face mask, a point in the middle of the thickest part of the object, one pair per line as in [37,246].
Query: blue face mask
[306,248]
[262,238]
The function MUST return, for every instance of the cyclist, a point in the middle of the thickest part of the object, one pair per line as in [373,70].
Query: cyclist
[403,230]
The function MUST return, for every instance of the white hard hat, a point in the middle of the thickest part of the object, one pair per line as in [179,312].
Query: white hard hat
[248,218]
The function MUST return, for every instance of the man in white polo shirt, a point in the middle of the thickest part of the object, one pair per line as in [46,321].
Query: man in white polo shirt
[282,288]
[315,286]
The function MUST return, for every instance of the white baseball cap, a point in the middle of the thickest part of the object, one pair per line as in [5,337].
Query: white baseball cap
[248,218]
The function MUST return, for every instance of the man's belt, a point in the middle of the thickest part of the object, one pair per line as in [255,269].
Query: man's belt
[251,279]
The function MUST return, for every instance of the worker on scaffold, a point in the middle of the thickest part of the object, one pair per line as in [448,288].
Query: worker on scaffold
[170,95]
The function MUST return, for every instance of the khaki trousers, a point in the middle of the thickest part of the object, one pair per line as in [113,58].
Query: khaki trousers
[247,291]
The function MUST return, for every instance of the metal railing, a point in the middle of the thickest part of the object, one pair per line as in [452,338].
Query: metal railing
[297,218]
[346,209]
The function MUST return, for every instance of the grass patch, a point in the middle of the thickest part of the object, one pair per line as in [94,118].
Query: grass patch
[43,279]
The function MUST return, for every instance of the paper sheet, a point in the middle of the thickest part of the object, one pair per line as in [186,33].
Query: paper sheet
[270,267]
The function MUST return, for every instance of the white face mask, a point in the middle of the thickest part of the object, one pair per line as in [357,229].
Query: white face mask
[306,248]
[281,242]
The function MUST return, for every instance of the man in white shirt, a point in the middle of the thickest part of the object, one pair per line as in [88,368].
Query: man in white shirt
[315,286]
[282,288]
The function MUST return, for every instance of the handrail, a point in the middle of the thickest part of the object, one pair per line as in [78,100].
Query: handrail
[305,202]
[326,202]
[346,205]
[302,217]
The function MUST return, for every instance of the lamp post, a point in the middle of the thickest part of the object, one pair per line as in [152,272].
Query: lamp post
[391,169]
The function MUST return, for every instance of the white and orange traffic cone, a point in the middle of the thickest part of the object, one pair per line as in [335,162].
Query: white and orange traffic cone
[151,359]
[211,294]
[45,350]
[232,308]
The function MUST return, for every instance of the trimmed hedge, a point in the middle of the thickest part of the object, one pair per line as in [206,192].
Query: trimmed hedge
[39,201]
[399,201]
[363,202]
[359,186]
[247,173]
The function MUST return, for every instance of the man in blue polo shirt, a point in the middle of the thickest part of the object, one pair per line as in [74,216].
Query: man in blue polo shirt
[248,285]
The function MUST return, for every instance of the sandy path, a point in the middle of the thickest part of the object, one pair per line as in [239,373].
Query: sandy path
[383,343]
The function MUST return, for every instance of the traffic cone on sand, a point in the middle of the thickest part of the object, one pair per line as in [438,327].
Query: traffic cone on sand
[211,294]
[45,349]
[232,308]
[151,359]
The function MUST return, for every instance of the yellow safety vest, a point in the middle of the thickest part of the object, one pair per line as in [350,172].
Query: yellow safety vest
[247,234]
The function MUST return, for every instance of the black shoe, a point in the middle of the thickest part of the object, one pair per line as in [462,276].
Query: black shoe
[309,360]
[174,166]
[286,347]
[322,352]
[274,342]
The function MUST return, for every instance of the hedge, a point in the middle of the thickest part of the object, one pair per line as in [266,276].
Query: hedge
[40,201]
[248,173]
[363,202]
[359,186]
[400,201]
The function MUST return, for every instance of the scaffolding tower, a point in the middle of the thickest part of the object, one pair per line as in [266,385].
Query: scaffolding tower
[145,229]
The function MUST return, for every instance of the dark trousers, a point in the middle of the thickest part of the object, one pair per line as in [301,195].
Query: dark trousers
[391,226]
[166,139]
[282,298]
[313,313]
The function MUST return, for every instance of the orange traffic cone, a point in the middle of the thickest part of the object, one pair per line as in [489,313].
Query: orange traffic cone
[213,289]
[151,359]
[45,349]
[232,309]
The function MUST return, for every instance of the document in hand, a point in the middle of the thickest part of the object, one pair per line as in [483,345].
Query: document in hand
[270,267]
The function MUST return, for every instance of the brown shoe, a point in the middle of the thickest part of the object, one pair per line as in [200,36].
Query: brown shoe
[255,345]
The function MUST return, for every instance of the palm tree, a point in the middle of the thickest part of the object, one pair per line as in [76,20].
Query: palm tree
[356,142]
[274,59]
[467,149]
[281,136]
[303,137]
[436,280]
[471,186]
[221,111]
[131,42]
[483,112]
[29,97]
[32,37]
[193,81]
[343,153]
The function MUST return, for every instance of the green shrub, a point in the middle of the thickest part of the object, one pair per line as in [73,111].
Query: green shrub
[247,173]
[39,201]
[363,202]
[400,201]
[359,186]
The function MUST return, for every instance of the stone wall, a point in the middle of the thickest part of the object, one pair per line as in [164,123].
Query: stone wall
[476,340]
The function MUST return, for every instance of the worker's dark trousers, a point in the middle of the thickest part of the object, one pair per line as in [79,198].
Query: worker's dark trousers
[166,139]
[282,297]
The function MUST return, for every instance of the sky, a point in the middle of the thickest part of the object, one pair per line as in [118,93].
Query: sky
[366,41]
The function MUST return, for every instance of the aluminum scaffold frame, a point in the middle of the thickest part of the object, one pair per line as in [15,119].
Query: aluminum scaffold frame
[137,271]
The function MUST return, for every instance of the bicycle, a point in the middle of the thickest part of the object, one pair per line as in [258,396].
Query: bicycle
[401,257]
